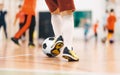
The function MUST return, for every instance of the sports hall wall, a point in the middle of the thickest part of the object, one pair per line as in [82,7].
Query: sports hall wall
[97,7]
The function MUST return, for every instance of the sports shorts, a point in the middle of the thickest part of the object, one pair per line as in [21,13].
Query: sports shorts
[110,31]
[63,5]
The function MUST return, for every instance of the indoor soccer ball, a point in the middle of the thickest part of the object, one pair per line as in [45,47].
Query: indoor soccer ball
[48,47]
[104,40]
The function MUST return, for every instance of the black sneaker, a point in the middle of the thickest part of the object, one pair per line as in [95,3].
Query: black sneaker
[111,41]
[70,55]
[31,45]
[57,46]
[15,41]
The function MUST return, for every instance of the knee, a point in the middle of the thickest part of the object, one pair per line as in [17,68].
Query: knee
[57,11]
[67,12]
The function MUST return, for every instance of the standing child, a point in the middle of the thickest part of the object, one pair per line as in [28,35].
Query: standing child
[111,25]
[86,29]
[2,19]
[63,25]
[95,30]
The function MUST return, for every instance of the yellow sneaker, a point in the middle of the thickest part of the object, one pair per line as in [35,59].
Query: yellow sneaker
[70,55]
[31,45]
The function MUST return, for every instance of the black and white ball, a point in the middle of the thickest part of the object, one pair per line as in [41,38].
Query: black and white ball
[47,46]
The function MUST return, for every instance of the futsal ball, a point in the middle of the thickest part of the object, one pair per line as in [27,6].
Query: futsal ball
[48,47]
[103,40]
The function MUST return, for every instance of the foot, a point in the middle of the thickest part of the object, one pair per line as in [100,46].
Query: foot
[70,55]
[111,41]
[15,41]
[57,46]
[31,45]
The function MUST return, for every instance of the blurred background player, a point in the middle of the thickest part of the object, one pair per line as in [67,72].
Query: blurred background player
[21,16]
[86,29]
[95,30]
[111,20]
[63,25]
[28,8]
[2,19]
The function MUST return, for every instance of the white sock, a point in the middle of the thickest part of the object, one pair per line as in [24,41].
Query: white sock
[67,29]
[57,24]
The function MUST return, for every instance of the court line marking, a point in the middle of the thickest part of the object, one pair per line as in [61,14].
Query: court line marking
[15,56]
[56,71]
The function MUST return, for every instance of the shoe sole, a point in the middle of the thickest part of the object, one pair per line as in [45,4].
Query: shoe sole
[111,41]
[15,42]
[56,50]
[69,58]
[31,46]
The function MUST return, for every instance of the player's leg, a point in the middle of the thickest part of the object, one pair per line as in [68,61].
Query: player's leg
[85,34]
[22,30]
[55,16]
[66,8]
[56,24]
[21,25]
[31,31]
[110,36]
[23,36]
[5,30]
[67,30]
[96,36]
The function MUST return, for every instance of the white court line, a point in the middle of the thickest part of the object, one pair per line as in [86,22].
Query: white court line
[5,57]
[56,71]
